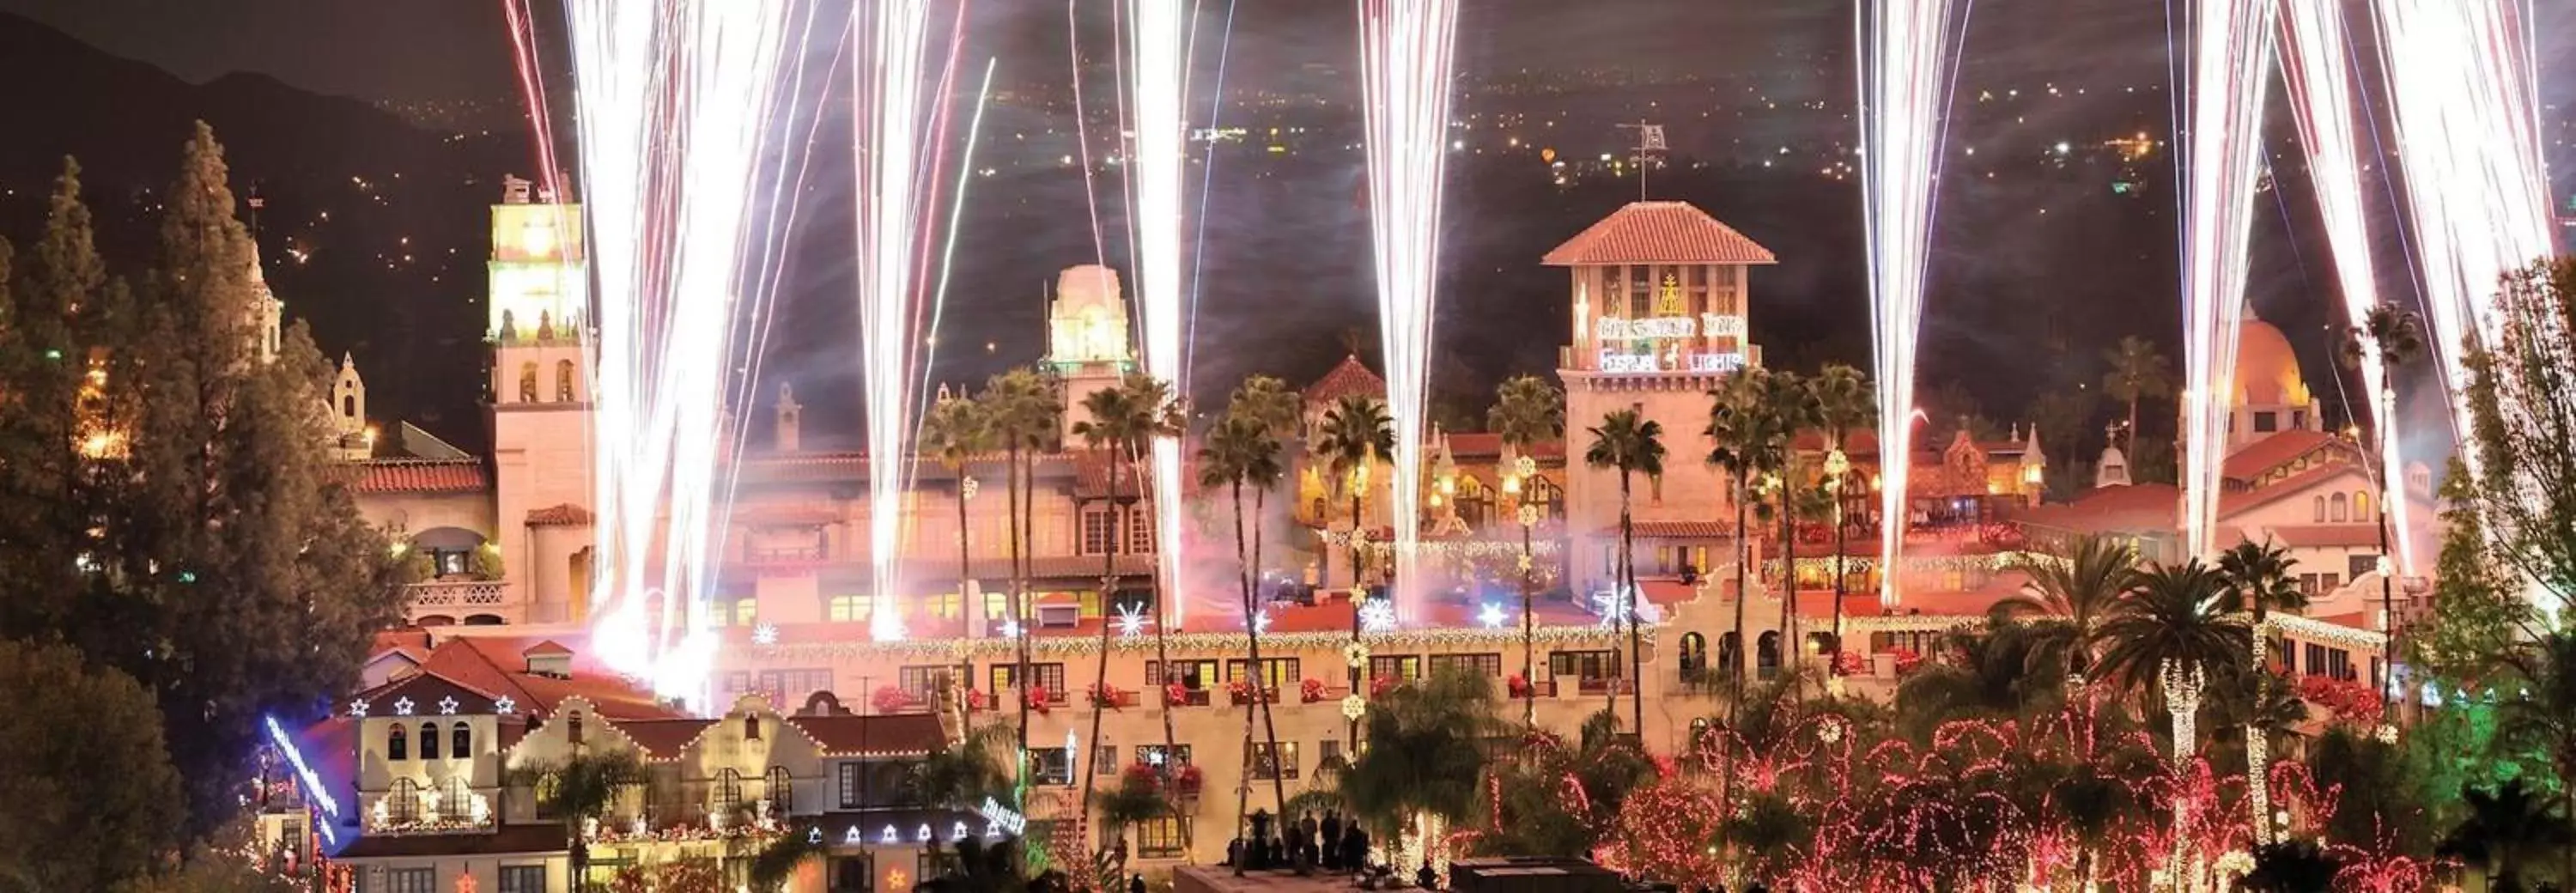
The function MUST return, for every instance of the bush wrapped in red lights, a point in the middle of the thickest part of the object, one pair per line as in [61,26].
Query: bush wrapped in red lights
[1518,686]
[1107,697]
[977,701]
[1038,697]
[1907,661]
[893,699]
[1380,685]
[1242,691]
[1310,691]
[2351,702]
[1176,694]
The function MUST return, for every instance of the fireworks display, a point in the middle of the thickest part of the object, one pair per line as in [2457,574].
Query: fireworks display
[1157,73]
[1407,48]
[891,128]
[1906,60]
[670,230]
[2316,66]
[2462,86]
[2229,58]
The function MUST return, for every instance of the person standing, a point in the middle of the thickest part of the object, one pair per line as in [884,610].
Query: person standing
[1332,840]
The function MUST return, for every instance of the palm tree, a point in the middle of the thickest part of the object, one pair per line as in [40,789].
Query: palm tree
[1355,432]
[2504,827]
[1237,450]
[2257,577]
[978,867]
[1632,445]
[1743,447]
[1281,412]
[1527,411]
[956,431]
[1022,413]
[2079,590]
[2394,338]
[1123,421]
[580,790]
[2172,618]
[2137,372]
[1844,403]
[1425,753]
[961,774]
[1791,404]
[1986,675]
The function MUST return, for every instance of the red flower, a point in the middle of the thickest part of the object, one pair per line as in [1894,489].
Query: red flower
[1379,686]
[1175,694]
[1106,697]
[891,699]
[1038,698]
[975,699]
[1906,660]
[1310,691]
[1519,687]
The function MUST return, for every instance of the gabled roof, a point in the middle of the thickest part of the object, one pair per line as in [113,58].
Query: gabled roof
[2273,452]
[2321,536]
[498,664]
[1659,233]
[2133,507]
[426,693]
[894,735]
[416,476]
[1346,379]
[662,739]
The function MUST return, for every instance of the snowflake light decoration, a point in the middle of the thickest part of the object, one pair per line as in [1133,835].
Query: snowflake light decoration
[1492,616]
[1354,707]
[402,706]
[505,705]
[1132,620]
[1261,622]
[447,706]
[1010,629]
[1613,607]
[1377,616]
[358,708]
[765,634]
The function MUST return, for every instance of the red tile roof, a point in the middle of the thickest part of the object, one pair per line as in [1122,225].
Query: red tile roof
[2129,507]
[902,734]
[2274,451]
[1091,476]
[1675,529]
[498,664]
[1659,232]
[424,692]
[1346,379]
[1481,444]
[417,476]
[2319,536]
[562,515]
[662,739]
[2294,485]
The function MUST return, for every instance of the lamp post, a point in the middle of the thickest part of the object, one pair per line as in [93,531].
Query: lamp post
[1836,466]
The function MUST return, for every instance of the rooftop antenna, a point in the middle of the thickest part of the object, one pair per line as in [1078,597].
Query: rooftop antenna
[1650,147]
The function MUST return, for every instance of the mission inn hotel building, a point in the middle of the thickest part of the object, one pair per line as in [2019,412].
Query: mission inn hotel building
[809,725]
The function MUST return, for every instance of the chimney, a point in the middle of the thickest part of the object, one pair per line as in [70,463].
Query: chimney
[514,191]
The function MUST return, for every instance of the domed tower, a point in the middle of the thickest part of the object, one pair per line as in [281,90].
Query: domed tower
[1087,336]
[2271,396]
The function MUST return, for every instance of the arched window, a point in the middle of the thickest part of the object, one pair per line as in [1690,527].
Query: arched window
[2320,509]
[456,800]
[2361,505]
[1698,735]
[2335,506]
[349,406]
[1766,654]
[728,793]
[1694,653]
[1475,502]
[1730,652]
[572,728]
[429,741]
[751,728]
[1544,493]
[781,791]
[402,803]
[463,744]
[527,382]
[564,377]
[396,744]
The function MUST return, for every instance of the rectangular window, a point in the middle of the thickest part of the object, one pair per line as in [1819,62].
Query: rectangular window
[1195,675]
[1104,760]
[1584,664]
[1052,765]
[849,784]
[1399,667]
[1488,665]
[788,689]
[2339,663]
[1159,838]
[1047,676]
[411,880]
[1140,530]
[1332,751]
[1145,753]
[922,681]
[1267,765]
[2360,565]
[1277,673]
[2308,585]
[850,608]
[523,879]
[2315,659]
[2266,422]
[1097,531]
[853,874]
[2329,581]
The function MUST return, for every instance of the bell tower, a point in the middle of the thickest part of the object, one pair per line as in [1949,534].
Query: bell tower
[539,329]
[1087,337]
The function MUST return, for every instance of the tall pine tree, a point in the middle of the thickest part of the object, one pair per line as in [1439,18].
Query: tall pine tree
[44,519]
[234,576]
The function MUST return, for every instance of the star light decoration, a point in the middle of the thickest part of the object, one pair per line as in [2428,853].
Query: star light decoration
[1377,616]
[505,705]
[1132,620]
[447,706]
[358,708]
[402,706]
[765,635]
[1492,616]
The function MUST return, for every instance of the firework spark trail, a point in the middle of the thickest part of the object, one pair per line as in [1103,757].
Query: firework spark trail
[1904,97]
[2230,57]
[1082,132]
[677,97]
[1407,50]
[1158,86]
[2317,68]
[889,131]
[523,52]
[1207,191]
[2461,81]
[956,218]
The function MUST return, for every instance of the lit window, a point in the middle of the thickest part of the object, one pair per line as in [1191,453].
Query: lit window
[850,608]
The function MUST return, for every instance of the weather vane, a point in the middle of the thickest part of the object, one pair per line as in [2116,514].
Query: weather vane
[1650,146]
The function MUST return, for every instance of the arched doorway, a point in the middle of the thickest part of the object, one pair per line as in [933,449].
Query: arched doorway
[1766,655]
[1694,656]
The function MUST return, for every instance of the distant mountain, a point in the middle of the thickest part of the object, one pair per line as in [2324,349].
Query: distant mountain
[373,231]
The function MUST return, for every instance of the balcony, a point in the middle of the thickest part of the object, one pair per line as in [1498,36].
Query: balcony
[784,556]
[462,601]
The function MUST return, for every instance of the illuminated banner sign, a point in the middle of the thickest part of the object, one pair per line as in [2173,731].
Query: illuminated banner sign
[1713,325]
[1617,363]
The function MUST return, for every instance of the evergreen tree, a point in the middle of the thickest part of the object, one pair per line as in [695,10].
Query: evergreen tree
[88,783]
[42,364]
[233,575]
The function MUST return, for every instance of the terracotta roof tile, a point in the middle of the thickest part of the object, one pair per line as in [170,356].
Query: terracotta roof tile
[2274,451]
[2133,507]
[416,476]
[425,691]
[1479,444]
[662,739]
[2318,536]
[1091,476]
[1346,379]
[2294,485]
[1659,232]
[562,515]
[902,734]
[1675,529]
